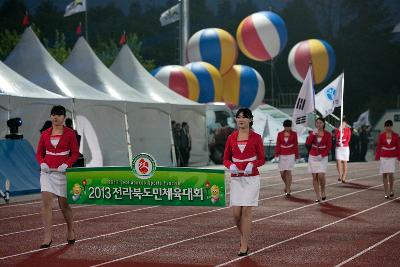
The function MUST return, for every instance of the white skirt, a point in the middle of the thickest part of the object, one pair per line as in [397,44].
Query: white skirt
[317,164]
[342,153]
[244,190]
[388,165]
[54,182]
[286,162]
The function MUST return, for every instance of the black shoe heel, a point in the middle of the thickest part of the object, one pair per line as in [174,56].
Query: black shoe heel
[46,245]
[241,254]
[71,241]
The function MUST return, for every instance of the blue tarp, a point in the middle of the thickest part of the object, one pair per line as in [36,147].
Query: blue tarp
[18,163]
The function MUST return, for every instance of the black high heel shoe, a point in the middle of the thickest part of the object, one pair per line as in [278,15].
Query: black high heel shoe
[46,245]
[71,241]
[391,194]
[241,254]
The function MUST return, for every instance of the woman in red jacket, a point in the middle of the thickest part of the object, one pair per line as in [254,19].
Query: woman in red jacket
[342,151]
[388,152]
[57,150]
[287,151]
[244,153]
[320,142]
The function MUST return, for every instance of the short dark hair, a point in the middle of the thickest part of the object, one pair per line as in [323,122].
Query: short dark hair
[246,113]
[287,123]
[184,124]
[58,110]
[388,123]
[321,119]
[68,122]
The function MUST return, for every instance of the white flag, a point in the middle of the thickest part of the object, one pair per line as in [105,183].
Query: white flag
[329,97]
[171,15]
[363,119]
[75,7]
[304,103]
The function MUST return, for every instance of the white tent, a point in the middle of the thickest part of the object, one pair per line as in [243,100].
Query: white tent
[102,143]
[21,98]
[128,68]
[268,122]
[148,120]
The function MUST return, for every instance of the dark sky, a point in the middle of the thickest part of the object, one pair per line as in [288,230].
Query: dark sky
[394,5]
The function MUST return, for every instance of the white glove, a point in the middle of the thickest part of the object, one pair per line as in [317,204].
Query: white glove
[44,167]
[249,169]
[233,169]
[315,131]
[62,167]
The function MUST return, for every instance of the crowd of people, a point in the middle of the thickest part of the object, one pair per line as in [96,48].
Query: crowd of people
[244,153]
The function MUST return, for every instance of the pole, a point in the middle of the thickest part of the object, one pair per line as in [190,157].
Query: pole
[184,29]
[86,22]
[341,110]
[272,81]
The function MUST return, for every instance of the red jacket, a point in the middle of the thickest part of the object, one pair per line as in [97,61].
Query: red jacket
[287,148]
[386,150]
[66,151]
[322,148]
[345,137]
[253,152]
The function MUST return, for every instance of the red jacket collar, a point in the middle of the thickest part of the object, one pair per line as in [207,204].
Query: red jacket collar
[236,133]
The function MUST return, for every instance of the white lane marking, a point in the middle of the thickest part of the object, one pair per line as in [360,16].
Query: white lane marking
[367,249]
[308,232]
[225,229]
[184,217]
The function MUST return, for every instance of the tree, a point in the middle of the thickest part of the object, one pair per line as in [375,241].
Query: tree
[369,58]
[8,40]
[107,51]
[59,50]
[11,14]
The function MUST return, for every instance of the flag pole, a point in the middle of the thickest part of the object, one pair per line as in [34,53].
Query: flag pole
[86,22]
[341,110]
[312,82]
[184,29]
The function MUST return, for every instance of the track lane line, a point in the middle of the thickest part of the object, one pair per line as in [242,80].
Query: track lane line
[189,216]
[118,213]
[367,249]
[308,232]
[229,228]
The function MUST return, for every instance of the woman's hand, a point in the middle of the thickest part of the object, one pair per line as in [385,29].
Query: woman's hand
[233,169]
[249,169]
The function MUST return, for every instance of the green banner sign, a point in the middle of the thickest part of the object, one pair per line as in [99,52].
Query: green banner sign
[165,186]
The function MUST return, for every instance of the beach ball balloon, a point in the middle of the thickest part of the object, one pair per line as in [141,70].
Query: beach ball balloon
[210,81]
[214,46]
[262,35]
[317,52]
[179,79]
[243,86]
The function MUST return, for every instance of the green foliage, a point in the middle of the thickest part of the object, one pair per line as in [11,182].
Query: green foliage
[59,50]
[8,40]
[108,50]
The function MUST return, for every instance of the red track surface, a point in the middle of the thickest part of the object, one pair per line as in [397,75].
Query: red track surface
[355,226]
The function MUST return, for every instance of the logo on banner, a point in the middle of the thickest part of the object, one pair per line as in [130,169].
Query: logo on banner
[143,166]
[330,93]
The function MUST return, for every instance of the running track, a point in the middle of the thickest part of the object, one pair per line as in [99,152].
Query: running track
[356,226]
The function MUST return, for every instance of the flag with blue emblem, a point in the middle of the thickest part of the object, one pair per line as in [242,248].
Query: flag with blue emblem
[330,97]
